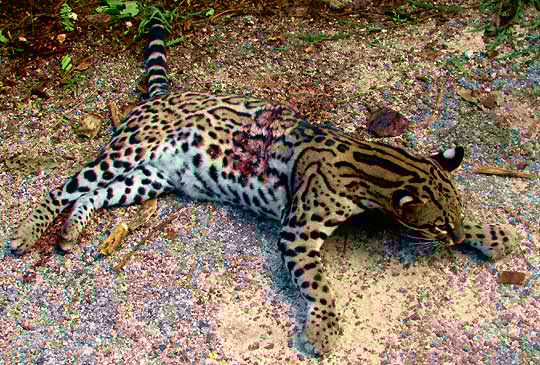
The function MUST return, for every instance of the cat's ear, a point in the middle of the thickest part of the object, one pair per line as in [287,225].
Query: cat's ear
[450,159]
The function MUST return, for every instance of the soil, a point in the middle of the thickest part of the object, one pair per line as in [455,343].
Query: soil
[210,285]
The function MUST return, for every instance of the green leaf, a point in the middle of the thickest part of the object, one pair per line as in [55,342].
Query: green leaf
[122,9]
[65,10]
[131,10]
[209,12]
[65,64]
[114,3]
[3,39]
[175,41]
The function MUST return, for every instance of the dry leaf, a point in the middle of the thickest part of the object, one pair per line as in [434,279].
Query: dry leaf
[21,165]
[512,277]
[387,122]
[83,64]
[187,25]
[309,49]
[115,114]
[90,125]
[40,91]
[274,38]
[100,18]
[114,239]
[170,234]
[121,230]
[492,100]
[472,96]
[430,54]
[534,130]
[148,208]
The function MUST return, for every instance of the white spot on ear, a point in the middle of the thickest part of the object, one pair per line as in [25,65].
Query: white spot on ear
[449,153]
[406,199]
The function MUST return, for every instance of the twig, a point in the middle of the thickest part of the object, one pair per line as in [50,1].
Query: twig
[159,227]
[487,170]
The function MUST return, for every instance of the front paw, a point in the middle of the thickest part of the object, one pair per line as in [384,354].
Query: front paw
[494,241]
[322,331]
[24,238]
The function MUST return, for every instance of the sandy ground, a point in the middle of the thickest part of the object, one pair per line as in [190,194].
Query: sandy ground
[209,287]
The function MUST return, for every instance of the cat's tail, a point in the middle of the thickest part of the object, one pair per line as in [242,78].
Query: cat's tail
[156,61]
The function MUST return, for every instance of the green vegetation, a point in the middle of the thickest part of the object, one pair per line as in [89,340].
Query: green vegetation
[120,9]
[66,64]
[316,38]
[414,11]
[67,18]
[507,13]
[444,9]
[3,38]
[69,80]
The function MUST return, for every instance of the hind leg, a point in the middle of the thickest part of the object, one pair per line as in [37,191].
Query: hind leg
[143,183]
[93,176]
[31,228]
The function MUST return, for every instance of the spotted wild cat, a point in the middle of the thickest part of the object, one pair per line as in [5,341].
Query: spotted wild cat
[265,157]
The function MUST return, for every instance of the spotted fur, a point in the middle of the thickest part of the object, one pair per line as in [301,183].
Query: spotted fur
[265,157]
[156,62]
[492,240]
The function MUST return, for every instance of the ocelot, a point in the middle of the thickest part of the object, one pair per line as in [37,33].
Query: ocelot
[267,158]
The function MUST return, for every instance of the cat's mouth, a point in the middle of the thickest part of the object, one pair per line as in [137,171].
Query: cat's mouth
[458,235]
[453,237]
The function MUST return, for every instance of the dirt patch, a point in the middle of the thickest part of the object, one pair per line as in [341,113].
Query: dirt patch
[220,292]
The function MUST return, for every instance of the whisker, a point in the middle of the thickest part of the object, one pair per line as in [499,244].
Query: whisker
[422,242]
[418,239]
